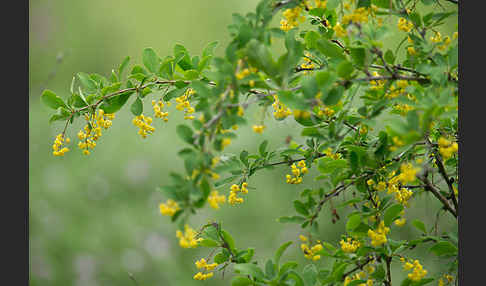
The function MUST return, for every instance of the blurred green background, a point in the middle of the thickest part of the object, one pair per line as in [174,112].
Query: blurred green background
[93,220]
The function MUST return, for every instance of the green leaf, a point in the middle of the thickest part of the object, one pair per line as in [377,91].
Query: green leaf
[113,104]
[122,67]
[391,213]
[150,60]
[358,55]
[270,269]
[334,95]
[191,74]
[292,100]
[389,57]
[353,222]
[419,225]
[296,277]
[249,269]
[221,257]
[228,239]
[87,82]
[241,281]
[280,251]
[185,133]
[174,93]
[50,99]
[300,208]
[209,49]
[137,107]
[262,147]
[444,248]
[329,49]
[345,69]
[209,243]
[309,274]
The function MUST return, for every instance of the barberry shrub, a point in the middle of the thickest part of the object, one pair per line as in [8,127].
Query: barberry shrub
[381,125]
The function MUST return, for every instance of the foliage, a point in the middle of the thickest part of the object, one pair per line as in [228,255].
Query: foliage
[335,81]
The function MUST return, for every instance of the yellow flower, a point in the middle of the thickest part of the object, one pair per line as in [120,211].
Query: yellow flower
[188,238]
[400,222]
[215,199]
[57,147]
[350,245]
[405,25]
[143,123]
[418,272]
[225,142]
[411,51]
[340,31]
[258,128]
[169,208]
[378,236]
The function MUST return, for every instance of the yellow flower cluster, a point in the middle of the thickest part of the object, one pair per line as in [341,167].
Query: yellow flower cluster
[233,199]
[297,178]
[209,267]
[418,272]
[398,89]
[92,130]
[411,51]
[350,245]
[340,31]
[402,108]
[310,252]
[57,149]
[397,142]
[215,199]
[292,18]
[376,84]
[332,155]
[158,110]
[225,142]
[280,110]
[242,74]
[188,238]
[304,114]
[143,123]
[358,276]
[447,148]
[408,174]
[169,208]
[378,236]
[359,15]
[201,276]
[405,25]
[258,128]
[324,110]
[400,222]
[183,104]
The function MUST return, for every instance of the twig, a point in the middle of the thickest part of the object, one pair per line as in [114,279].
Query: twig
[437,194]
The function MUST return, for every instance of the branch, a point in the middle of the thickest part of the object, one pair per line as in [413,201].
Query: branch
[437,194]
[358,266]
[332,194]
[442,171]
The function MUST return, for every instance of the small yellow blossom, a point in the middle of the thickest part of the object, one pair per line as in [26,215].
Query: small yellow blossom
[258,128]
[188,238]
[215,199]
[169,208]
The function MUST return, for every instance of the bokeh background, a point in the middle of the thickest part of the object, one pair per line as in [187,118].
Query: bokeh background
[95,220]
